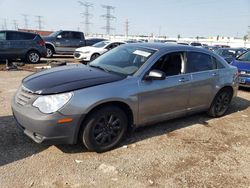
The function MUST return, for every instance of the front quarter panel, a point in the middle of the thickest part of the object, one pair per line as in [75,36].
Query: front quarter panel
[85,100]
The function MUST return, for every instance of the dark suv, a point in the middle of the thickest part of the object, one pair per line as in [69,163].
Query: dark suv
[64,42]
[29,47]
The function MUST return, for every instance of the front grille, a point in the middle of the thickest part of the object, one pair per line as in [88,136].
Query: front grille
[24,96]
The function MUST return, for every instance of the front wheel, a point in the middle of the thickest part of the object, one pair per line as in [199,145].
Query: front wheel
[50,52]
[105,128]
[221,103]
[33,57]
[94,56]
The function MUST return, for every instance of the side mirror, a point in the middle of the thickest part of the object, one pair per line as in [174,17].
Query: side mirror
[155,75]
[59,36]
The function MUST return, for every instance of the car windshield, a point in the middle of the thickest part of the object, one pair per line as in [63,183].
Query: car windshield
[101,44]
[54,34]
[244,57]
[125,60]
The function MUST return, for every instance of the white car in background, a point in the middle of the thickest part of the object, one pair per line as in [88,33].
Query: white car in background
[89,53]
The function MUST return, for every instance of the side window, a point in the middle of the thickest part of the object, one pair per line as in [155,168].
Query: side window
[65,35]
[20,36]
[197,62]
[2,36]
[76,35]
[13,36]
[218,64]
[171,64]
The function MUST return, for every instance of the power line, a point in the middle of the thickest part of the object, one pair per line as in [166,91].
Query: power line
[86,15]
[39,21]
[25,17]
[108,17]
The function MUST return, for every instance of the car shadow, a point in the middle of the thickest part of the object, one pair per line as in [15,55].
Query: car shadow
[16,146]
[143,133]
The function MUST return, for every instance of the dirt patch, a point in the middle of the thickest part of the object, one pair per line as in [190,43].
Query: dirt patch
[194,151]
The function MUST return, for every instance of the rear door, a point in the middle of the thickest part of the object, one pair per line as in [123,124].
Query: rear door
[204,76]
[76,40]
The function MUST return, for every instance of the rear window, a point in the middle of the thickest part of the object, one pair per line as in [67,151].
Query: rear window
[2,36]
[20,36]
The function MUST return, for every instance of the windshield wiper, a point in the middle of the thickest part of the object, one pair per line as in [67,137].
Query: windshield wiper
[99,67]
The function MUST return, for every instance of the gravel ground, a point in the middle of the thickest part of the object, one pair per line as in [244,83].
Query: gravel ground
[194,151]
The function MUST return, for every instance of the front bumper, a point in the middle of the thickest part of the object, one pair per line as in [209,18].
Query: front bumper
[81,56]
[44,127]
[244,81]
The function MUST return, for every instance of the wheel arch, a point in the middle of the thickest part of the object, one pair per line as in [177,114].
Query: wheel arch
[122,105]
[50,45]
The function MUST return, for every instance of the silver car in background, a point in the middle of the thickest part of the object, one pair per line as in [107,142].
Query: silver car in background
[131,85]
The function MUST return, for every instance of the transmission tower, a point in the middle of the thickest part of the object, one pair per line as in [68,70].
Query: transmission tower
[25,17]
[15,25]
[86,15]
[108,17]
[126,27]
[39,21]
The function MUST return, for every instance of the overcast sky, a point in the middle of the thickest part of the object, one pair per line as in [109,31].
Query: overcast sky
[167,17]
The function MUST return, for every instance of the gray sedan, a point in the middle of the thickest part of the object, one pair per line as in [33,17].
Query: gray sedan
[130,86]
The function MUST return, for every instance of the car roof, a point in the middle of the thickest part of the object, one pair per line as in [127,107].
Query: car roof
[168,47]
[19,32]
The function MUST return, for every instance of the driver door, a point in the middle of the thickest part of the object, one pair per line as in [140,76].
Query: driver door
[164,99]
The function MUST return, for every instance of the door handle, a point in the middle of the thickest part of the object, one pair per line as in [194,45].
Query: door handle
[184,80]
[214,74]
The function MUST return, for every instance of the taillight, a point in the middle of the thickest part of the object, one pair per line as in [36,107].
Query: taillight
[41,42]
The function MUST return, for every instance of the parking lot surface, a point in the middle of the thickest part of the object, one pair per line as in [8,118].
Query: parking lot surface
[193,151]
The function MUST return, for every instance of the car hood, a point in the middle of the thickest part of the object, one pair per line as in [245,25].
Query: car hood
[68,78]
[241,65]
[88,48]
[47,38]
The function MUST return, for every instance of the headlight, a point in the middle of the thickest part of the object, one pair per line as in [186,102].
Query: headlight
[87,52]
[52,103]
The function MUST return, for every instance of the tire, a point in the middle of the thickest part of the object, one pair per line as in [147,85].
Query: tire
[33,56]
[94,56]
[50,51]
[105,128]
[221,103]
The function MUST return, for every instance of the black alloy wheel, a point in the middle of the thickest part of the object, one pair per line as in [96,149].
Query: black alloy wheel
[221,103]
[105,128]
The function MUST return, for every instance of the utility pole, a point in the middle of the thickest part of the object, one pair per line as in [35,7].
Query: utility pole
[5,25]
[86,15]
[15,25]
[126,28]
[248,32]
[25,17]
[39,21]
[108,17]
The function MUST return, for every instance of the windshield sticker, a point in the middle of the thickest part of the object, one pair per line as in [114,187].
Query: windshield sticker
[142,53]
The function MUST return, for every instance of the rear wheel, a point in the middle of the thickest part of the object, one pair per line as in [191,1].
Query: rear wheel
[33,57]
[221,103]
[104,129]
